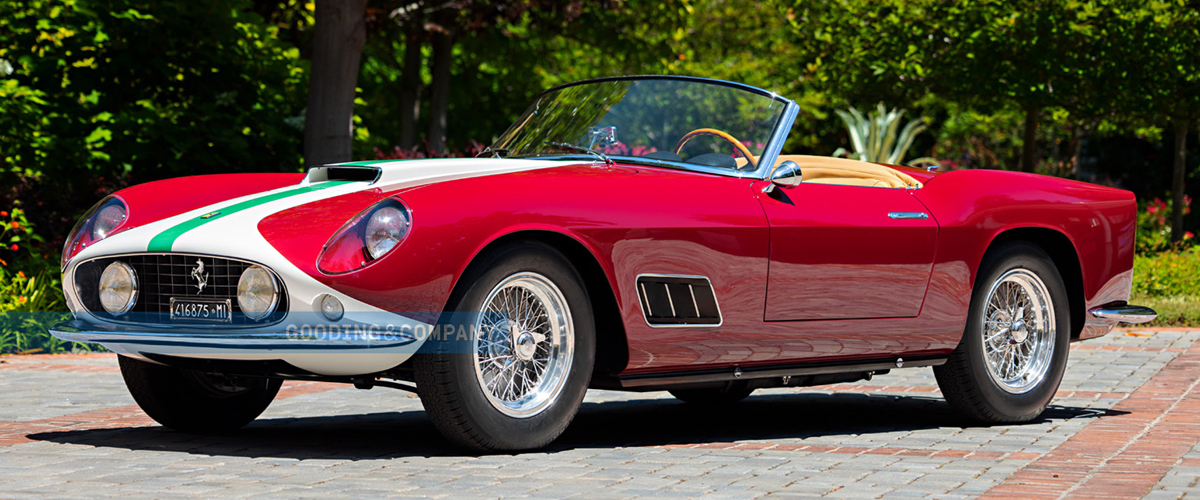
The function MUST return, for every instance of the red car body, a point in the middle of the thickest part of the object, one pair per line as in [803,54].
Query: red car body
[825,278]
[701,271]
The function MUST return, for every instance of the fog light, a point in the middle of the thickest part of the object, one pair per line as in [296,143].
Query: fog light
[331,307]
[258,293]
[118,288]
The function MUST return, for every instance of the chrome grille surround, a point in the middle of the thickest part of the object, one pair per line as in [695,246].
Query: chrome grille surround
[163,276]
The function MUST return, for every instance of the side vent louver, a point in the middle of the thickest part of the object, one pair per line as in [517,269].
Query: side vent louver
[678,300]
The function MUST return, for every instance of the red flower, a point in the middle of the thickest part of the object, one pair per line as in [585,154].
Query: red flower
[16,225]
[3,214]
[15,247]
[1152,209]
[1187,235]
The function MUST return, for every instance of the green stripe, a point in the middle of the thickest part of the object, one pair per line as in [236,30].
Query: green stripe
[166,239]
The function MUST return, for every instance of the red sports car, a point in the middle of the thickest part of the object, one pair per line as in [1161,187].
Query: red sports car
[634,233]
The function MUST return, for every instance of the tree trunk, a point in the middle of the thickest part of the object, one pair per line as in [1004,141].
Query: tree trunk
[1029,150]
[338,38]
[1181,131]
[439,94]
[410,85]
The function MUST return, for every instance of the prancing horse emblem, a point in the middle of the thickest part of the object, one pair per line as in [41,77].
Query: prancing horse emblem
[200,275]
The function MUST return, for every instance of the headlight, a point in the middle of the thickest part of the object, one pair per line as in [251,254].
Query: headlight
[118,288]
[107,218]
[257,293]
[366,237]
[104,219]
[385,229]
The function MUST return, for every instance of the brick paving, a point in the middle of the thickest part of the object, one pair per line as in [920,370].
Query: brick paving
[1125,424]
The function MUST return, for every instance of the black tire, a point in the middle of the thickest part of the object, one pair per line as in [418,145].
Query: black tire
[966,380]
[191,401]
[446,374]
[713,396]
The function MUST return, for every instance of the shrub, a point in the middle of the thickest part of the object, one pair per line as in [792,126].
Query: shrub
[1167,274]
[398,153]
[1154,228]
[30,291]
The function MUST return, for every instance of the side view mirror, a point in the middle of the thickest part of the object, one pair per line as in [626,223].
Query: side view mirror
[786,174]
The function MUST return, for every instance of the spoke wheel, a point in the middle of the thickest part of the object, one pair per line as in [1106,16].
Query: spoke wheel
[1013,353]
[525,344]
[1018,331]
[518,381]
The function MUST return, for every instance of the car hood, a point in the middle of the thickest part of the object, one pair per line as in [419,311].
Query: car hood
[226,227]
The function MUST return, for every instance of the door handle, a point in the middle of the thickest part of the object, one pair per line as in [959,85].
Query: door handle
[908,215]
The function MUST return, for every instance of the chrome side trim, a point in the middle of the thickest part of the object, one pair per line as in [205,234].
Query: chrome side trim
[758,372]
[645,314]
[908,215]
[1124,313]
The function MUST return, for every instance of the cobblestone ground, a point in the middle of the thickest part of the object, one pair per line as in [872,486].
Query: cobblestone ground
[1126,424]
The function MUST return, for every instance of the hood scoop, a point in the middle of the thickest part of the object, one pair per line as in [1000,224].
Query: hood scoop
[355,173]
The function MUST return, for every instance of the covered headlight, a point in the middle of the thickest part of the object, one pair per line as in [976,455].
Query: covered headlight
[385,228]
[109,217]
[258,292]
[118,288]
[104,219]
[367,237]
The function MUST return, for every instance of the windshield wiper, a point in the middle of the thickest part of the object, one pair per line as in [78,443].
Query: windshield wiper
[593,152]
[494,153]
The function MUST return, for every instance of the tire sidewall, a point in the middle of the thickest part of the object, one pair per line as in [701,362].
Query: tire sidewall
[505,431]
[1028,405]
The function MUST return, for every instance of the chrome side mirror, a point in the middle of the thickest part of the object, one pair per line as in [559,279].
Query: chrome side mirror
[786,174]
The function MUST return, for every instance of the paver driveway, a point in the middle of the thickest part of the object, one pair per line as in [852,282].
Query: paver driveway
[1125,424]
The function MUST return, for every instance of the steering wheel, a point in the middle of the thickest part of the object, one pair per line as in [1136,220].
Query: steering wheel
[741,148]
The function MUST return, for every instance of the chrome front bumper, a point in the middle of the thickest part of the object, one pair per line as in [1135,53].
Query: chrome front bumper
[1124,313]
[350,352]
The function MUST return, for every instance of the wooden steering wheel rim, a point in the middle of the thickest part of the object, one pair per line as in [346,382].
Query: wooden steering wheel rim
[741,148]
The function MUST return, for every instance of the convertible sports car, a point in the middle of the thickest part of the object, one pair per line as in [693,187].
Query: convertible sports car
[634,233]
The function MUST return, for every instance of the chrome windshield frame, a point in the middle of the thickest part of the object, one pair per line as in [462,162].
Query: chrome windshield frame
[766,161]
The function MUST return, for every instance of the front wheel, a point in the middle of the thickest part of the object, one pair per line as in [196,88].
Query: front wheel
[194,401]
[1013,353]
[518,381]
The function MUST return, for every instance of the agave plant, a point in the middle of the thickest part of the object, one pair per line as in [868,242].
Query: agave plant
[874,136]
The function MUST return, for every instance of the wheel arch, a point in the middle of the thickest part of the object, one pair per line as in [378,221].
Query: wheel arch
[612,349]
[1062,252]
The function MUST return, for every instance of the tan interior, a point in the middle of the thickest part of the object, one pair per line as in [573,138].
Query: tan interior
[829,170]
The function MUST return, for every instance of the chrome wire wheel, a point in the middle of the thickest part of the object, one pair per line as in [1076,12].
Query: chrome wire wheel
[524,344]
[1018,331]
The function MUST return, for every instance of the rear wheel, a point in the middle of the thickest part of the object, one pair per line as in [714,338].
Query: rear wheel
[1013,353]
[519,380]
[193,401]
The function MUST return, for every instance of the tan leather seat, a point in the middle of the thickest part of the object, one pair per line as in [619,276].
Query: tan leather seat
[844,172]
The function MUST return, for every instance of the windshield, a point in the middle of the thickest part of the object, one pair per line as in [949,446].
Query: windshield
[655,120]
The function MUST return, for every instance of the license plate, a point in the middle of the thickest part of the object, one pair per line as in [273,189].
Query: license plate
[201,310]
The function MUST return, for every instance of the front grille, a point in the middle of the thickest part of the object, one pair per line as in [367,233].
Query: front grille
[162,277]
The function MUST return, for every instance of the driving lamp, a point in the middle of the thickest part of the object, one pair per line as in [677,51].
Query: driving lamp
[118,288]
[331,307]
[258,293]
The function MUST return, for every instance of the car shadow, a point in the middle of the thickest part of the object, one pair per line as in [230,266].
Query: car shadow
[626,423]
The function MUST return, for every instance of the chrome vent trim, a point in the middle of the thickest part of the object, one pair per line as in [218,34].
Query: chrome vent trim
[678,301]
